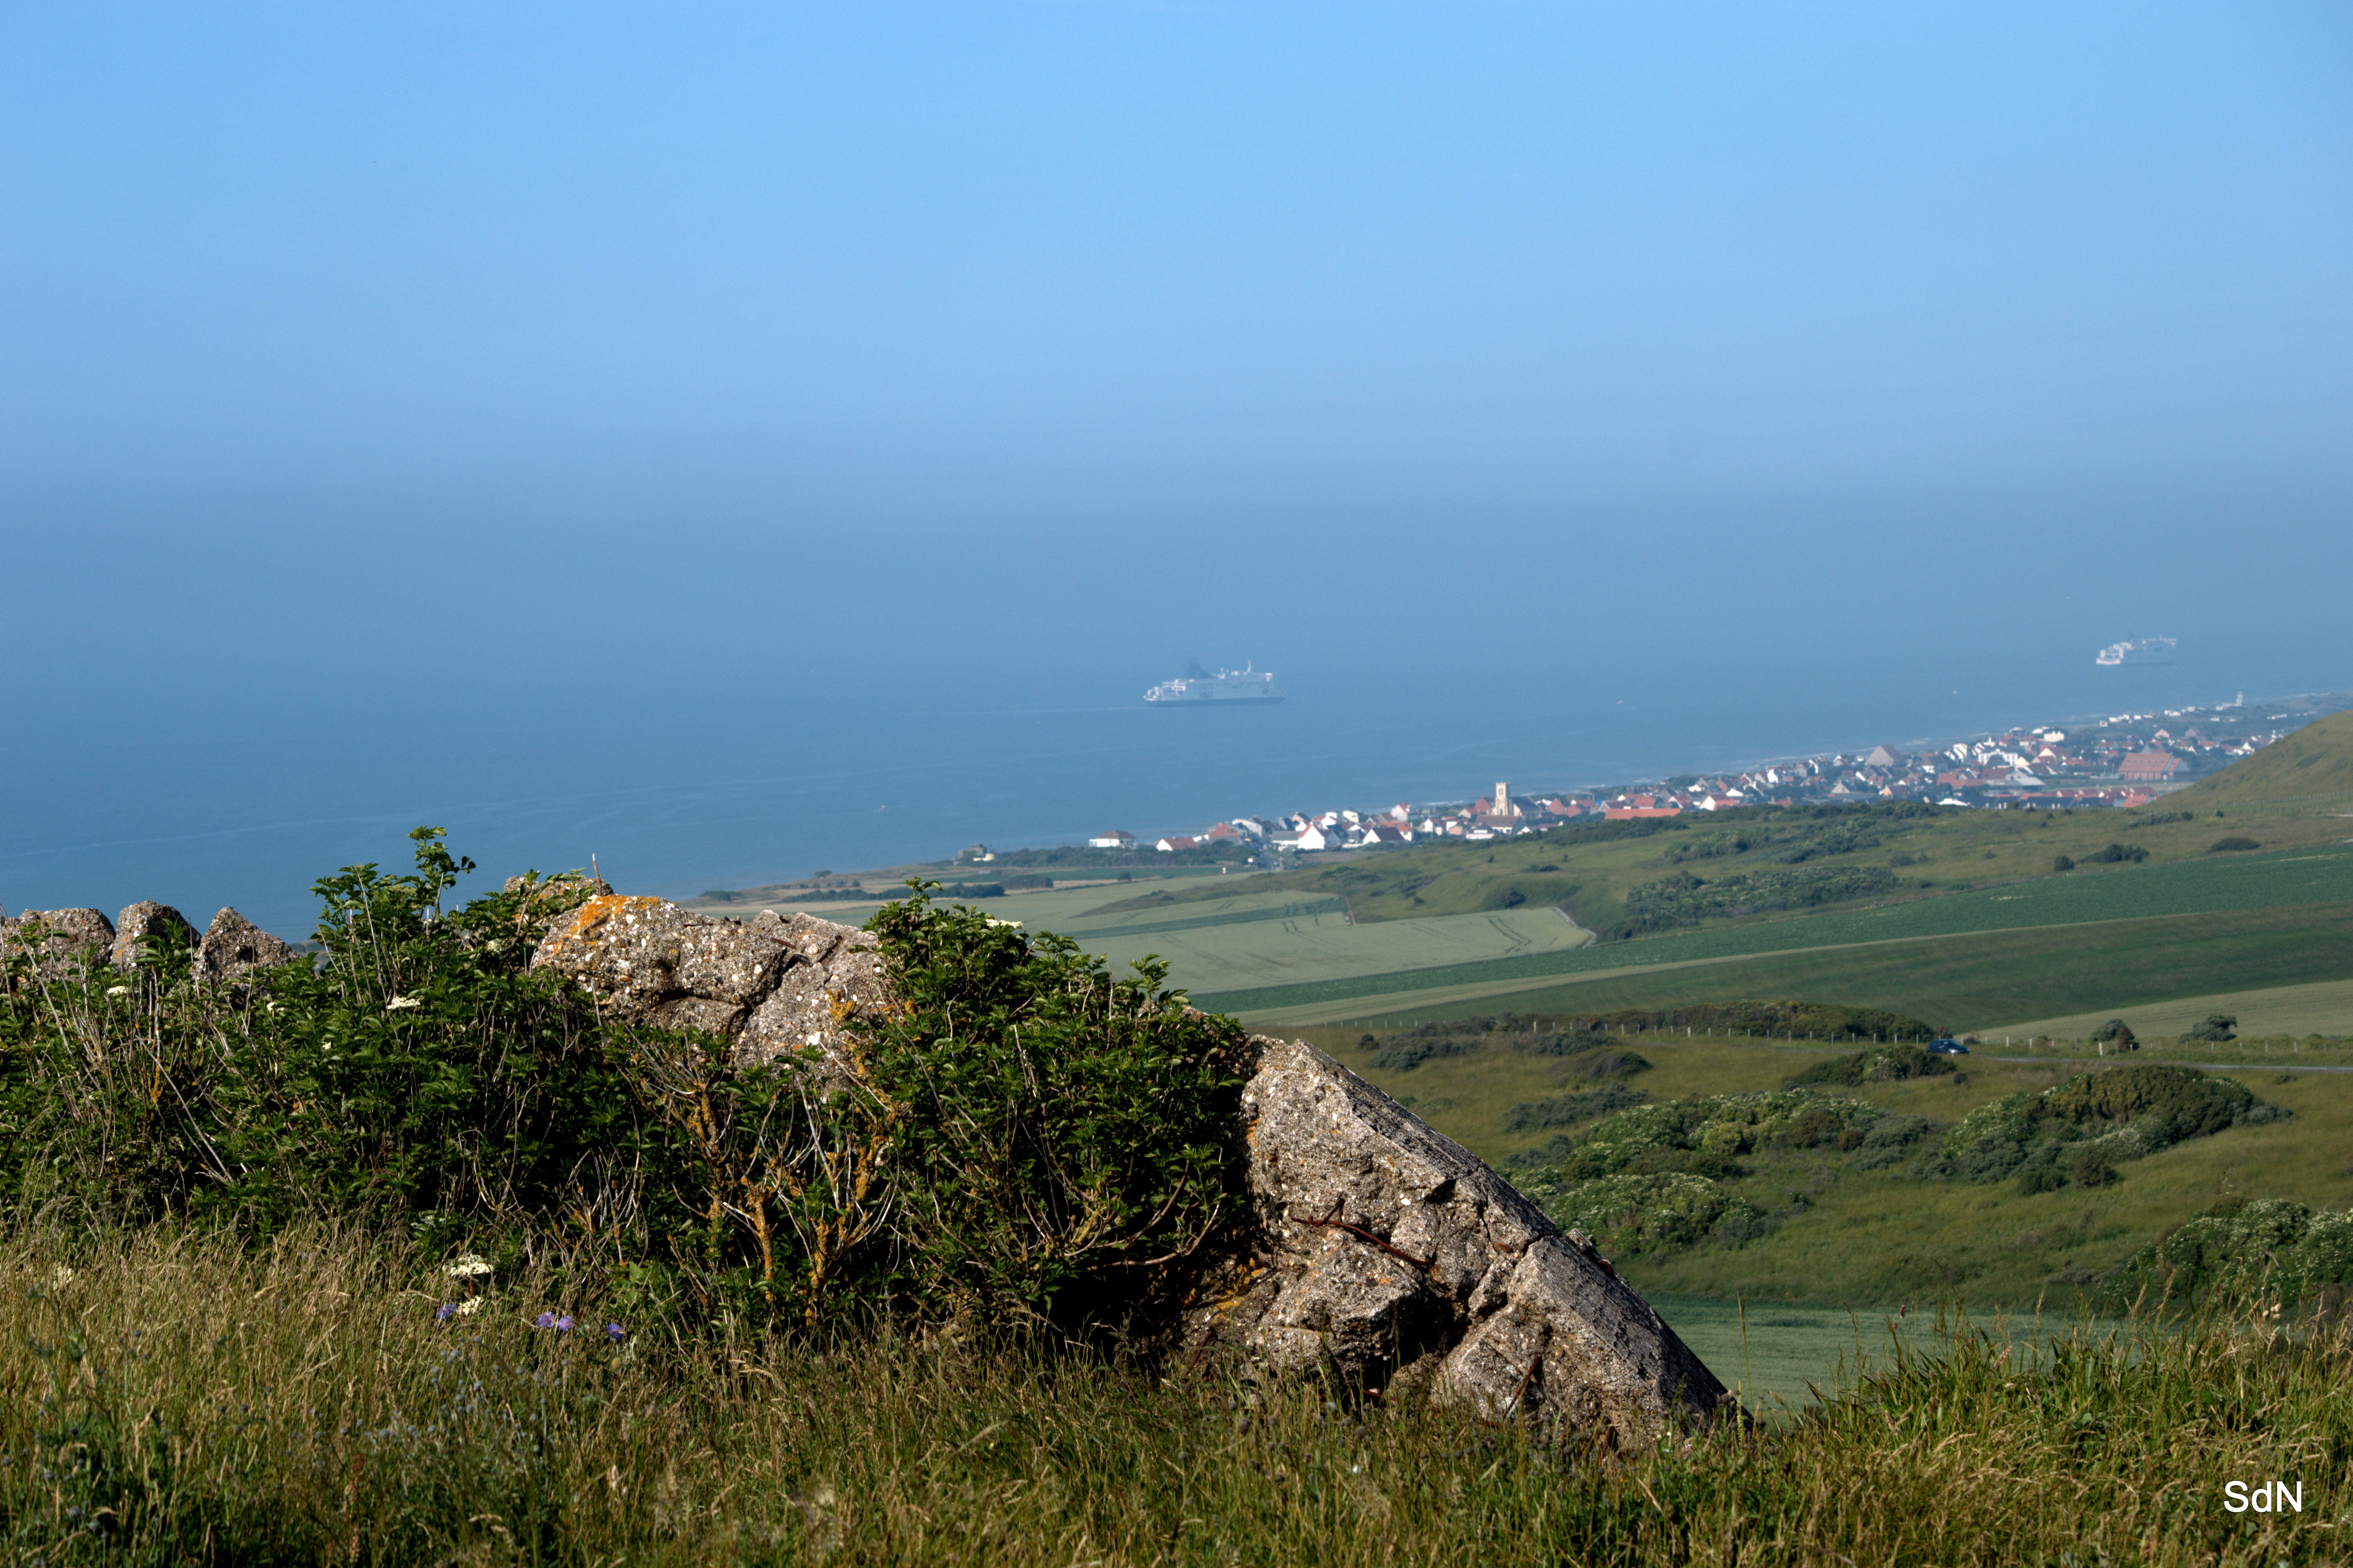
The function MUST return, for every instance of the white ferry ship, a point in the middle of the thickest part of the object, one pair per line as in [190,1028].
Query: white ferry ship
[1196,688]
[2147,650]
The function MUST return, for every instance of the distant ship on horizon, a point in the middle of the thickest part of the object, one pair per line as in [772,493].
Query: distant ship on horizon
[1196,688]
[2147,650]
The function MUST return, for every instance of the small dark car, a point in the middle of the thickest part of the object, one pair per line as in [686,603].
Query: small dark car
[1949,1047]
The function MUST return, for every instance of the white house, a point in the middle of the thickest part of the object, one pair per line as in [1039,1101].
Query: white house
[1318,835]
[1115,840]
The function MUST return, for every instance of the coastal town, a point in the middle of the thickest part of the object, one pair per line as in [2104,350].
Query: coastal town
[2123,760]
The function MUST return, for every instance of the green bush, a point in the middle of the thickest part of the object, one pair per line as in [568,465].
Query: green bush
[2215,1029]
[2263,1252]
[1024,1139]
[1876,1065]
[1687,899]
[2232,845]
[1632,1213]
[2118,1113]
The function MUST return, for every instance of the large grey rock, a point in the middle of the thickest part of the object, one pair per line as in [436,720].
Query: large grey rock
[232,945]
[144,923]
[71,941]
[1385,1249]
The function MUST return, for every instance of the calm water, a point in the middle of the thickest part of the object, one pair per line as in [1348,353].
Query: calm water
[673,800]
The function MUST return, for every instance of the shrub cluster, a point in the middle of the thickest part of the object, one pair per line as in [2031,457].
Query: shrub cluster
[1707,1137]
[1685,899]
[1877,1065]
[2265,1252]
[2093,1121]
[1638,1213]
[1024,1138]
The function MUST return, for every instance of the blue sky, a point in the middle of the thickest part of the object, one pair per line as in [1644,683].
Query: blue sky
[361,358]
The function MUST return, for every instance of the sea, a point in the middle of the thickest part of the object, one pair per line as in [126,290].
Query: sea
[755,786]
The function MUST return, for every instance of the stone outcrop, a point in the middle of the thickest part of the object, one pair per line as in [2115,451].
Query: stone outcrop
[232,945]
[779,983]
[74,940]
[1381,1248]
[143,923]
[1388,1250]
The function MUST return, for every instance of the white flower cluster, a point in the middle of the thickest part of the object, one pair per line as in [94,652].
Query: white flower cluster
[402,1003]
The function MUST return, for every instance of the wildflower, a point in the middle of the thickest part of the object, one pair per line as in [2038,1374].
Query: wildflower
[546,1320]
[61,1276]
[444,1312]
[468,1308]
[118,991]
[613,1332]
[564,1324]
[400,1003]
[469,1266]
[1014,925]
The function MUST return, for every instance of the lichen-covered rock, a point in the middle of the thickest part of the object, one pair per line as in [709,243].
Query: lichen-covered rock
[647,960]
[1385,1249]
[839,974]
[142,924]
[70,941]
[232,945]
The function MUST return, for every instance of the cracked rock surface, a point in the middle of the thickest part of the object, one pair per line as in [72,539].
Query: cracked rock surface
[1388,1249]
[779,983]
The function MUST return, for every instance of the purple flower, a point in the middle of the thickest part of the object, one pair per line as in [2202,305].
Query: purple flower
[547,1319]
[564,1324]
[445,1311]
[613,1332]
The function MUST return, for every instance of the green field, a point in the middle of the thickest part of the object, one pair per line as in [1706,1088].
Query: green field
[2324,1007]
[1325,946]
[2190,902]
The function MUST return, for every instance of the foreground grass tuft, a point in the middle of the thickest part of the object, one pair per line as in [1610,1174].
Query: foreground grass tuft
[169,1398]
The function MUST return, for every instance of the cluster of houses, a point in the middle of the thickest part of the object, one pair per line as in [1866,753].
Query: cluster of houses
[2125,761]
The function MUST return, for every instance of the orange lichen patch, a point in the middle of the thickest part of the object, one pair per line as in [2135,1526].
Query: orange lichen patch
[598,912]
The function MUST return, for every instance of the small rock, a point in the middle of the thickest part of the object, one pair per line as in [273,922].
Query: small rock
[75,939]
[144,922]
[232,945]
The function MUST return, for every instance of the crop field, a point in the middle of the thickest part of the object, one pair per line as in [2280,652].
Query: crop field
[1878,1239]
[2324,1007]
[1967,982]
[2139,897]
[1321,944]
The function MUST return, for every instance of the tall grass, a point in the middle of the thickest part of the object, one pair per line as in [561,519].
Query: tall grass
[170,1397]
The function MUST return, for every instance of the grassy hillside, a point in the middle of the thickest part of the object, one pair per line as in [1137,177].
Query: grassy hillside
[1850,1236]
[2310,770]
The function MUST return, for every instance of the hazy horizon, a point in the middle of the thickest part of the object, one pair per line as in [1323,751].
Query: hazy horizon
[740,440]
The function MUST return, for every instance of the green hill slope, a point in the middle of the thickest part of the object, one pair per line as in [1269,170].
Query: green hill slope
[2311,770]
